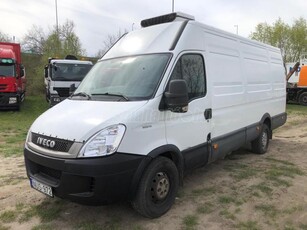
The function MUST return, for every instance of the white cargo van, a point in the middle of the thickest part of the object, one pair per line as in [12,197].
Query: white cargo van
[172,96]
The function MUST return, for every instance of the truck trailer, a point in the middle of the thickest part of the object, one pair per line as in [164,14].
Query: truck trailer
[170,97]
[12,76]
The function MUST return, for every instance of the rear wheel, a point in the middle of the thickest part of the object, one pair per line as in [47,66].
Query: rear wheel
[157,189]
[303,99]
[261,144]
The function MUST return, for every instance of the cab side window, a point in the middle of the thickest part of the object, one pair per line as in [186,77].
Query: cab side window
[190,67]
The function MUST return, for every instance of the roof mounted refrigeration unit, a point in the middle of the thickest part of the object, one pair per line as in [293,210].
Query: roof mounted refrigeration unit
[178,16]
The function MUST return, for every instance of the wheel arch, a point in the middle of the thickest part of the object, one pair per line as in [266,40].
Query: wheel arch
[169,151]
[266,119]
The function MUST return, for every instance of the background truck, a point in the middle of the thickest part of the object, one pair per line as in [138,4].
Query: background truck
[12,76]
[60,74]
[297,81]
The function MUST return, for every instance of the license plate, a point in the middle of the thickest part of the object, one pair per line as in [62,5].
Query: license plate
[12,100]
[41,187]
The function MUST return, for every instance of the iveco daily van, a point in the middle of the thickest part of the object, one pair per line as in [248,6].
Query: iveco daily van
[172,96]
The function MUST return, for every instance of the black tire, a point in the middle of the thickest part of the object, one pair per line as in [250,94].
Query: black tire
[47,95]
[17,108]
[303,99]
[261,143]
[157,188]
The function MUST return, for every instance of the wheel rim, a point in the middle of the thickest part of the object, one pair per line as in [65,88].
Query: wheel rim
[264,139]
[304,99]
[160,187]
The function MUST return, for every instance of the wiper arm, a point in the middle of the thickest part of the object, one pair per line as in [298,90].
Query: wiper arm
[113,94]
[81,94]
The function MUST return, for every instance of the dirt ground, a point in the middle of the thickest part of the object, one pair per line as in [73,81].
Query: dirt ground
[243,191]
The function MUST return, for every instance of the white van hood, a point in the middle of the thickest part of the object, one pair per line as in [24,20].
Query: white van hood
[77,120]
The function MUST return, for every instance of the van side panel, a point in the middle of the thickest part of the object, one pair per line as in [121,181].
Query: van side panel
[265,81]
[248,83]
[224,72]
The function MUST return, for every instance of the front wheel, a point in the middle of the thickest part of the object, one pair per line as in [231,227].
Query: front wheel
[157,189]
[47,95]
[261,143]
[303,99]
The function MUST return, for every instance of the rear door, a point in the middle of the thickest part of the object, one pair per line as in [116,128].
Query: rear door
[190,131]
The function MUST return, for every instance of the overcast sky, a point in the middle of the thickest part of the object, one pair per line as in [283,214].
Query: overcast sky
[96,19]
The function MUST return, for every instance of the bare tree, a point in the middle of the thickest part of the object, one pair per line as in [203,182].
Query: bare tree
[34,40]
[4,37]
[56,43]
[110,41]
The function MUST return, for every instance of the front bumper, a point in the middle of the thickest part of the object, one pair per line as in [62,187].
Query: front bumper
[9,99]
[90,181]
[55,99]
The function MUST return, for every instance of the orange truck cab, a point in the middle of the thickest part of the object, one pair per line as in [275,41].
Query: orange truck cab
[302,82]
[12,76]
[297,86]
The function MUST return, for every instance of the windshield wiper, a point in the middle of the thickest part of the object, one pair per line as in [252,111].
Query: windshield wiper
[112,94]
[81,94]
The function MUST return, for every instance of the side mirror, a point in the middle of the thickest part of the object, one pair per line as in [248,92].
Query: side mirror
[176,98]
[22,70]
[72,89]
[46,71]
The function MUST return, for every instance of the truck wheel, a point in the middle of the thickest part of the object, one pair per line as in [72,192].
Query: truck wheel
[17,108]
[303,99]
[47,94]
[261,143]
[157,188]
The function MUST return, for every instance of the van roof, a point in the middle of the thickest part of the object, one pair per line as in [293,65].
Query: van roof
[162,34]
[151,39]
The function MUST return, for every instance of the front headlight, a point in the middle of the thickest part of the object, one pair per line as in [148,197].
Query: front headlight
[104,143]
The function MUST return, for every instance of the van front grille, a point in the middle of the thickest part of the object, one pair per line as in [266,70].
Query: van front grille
[63,92]
[52,143]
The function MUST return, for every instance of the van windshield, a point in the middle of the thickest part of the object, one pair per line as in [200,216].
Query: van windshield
[69,72]
[7,70]
[124,79]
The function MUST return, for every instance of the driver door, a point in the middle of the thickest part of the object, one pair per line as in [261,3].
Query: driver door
[190,131]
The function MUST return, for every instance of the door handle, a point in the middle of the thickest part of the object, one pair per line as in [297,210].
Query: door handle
[208,114]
